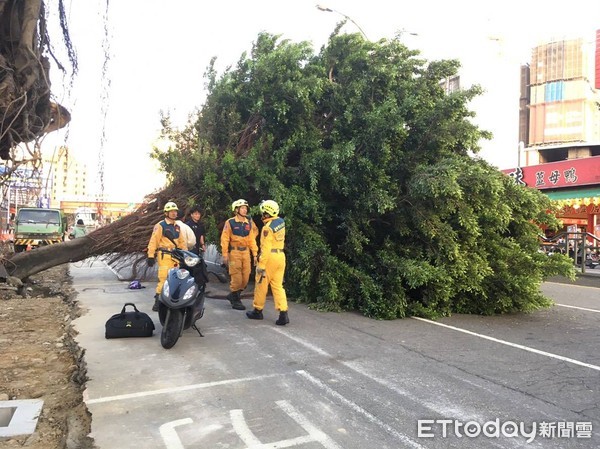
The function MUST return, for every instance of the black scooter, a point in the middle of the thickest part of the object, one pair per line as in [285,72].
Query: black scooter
[181,300]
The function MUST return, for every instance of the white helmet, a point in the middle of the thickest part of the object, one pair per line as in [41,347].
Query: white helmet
[238,203]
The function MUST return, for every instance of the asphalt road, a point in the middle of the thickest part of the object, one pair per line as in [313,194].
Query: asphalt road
[331,380]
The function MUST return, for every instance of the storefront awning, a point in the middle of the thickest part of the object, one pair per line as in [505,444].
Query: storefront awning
[576,198]
[574,194]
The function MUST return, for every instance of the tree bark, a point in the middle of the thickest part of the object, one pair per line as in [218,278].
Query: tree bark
[129,235]
[31,15]
[24,264]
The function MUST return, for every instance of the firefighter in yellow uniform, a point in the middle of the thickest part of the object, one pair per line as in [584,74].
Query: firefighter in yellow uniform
[158,241]
[238,244]
[271,264]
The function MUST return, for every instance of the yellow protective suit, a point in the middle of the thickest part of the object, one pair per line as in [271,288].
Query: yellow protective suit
[157,241]
[238,243]
[272,260]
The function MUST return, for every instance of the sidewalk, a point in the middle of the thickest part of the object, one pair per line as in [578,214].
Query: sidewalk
[591,278]
[131,380]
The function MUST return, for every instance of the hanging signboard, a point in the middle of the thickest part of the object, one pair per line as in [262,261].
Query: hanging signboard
[552,175]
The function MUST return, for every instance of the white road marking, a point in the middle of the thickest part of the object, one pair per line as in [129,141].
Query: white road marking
[313,432]
[358,409]
[578,308]
[561,284]
[142,394]
[284,443]
[513,345]
[251,442]
[439,408]
[169,434]
[242,429]
[301,341]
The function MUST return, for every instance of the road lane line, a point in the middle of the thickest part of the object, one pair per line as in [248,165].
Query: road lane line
[302,342]
[299,441]
[252,442]
[439,407]
[241,428]
[578,308]
[142,394]
[562,284]
[358,409]
[314,433]
[514,345]
[169,434]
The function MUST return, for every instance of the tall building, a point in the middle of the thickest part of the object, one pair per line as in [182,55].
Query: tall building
[559,128]
[65,178]
[562,113]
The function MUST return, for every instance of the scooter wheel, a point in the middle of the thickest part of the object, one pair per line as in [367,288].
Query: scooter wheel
[162,313]
[172,328]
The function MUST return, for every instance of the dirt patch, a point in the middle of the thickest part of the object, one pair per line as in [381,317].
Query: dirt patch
[41,360]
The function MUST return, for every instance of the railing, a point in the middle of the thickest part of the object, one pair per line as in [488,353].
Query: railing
[576,245]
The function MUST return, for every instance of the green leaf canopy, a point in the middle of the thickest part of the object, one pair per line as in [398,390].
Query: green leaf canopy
[387,211]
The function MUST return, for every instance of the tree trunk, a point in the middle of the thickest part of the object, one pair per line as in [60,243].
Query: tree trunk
[129,235]
[31,15]
[125,236]
[24,264]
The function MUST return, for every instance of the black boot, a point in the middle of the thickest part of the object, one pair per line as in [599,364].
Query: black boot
[236,302]
[255,314]
[156,302]
[283,319]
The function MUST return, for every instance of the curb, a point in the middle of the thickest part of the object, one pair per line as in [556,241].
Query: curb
[582,279]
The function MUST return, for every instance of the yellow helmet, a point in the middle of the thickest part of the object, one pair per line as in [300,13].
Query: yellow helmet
[170,206]
[238,203]
[269,207]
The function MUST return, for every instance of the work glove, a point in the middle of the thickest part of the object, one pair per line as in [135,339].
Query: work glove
[150,261]
[260,271]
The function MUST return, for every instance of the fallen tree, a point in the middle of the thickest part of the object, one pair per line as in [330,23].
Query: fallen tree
[370,159]
[129,235]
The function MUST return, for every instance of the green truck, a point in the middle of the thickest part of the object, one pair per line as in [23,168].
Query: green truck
[36,226]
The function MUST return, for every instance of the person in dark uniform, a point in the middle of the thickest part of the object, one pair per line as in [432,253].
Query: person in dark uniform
[195,214]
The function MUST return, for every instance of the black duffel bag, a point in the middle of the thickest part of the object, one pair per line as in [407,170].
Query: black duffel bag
[129,324]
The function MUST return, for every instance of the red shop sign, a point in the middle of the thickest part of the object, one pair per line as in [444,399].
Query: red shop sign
[570,173]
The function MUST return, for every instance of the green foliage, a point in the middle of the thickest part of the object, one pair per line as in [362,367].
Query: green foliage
[387,213]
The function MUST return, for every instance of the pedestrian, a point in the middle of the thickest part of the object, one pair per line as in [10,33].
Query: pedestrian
[195,214]
[271,264]
[188,233]
[79,230]
[238,244]
[159,241]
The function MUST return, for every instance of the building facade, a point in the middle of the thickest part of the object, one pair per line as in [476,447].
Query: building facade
[65,177]
[559,129]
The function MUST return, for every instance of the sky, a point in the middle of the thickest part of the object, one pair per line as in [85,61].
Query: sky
[159,51]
